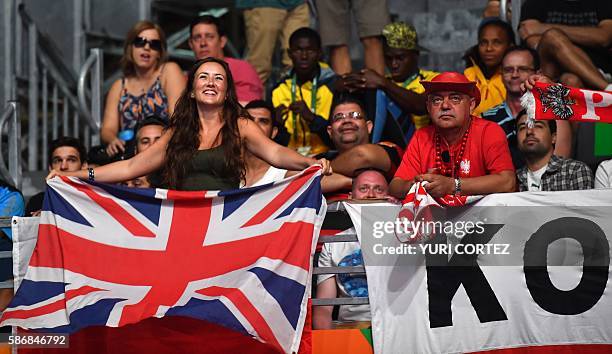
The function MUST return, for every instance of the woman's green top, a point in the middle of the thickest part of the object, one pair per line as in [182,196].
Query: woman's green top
[207,172]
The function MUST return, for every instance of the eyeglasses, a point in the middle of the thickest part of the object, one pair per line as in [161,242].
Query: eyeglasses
[453,99]
[141,42]
[509,70]
[350,115]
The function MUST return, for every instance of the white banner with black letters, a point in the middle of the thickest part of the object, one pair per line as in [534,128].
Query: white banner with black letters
[512,270]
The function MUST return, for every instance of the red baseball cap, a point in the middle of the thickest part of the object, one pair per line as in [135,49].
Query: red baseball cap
[452,81]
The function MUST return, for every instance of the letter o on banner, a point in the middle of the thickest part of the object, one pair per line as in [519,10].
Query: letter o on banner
[596,253]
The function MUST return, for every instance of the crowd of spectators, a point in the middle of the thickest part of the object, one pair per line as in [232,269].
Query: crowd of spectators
[383,127]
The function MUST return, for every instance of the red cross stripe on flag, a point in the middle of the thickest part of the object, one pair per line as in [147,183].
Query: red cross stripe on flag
[108,255]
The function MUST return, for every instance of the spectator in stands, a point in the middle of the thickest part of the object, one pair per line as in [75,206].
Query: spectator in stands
[483,62]
[204,145]
[303,97]
[148,132]
[591,139]
[545,171]
[459,154]
[518,64]
[150,85]
[368,184]
[349,130]
[403,95]
[267,21]
[573,39]
[603,175]
[208,39]
[140,182]
[335,27]
[11,204]
[66,154]
[259,172]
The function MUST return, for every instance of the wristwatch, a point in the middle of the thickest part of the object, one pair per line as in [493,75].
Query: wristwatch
[457,186]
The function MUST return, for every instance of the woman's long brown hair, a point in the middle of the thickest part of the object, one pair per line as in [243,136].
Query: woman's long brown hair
[185,140]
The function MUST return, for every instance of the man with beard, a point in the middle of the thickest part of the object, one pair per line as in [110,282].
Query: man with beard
[459,154]
[546,171]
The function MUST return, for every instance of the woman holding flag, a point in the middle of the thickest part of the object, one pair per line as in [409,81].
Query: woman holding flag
[203,147]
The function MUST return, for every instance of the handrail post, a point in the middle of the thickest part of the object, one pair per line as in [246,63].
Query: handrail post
[32,98]
[96,94]
[8,50]
[14,136]
[18,40]
[516,16]
[503,10]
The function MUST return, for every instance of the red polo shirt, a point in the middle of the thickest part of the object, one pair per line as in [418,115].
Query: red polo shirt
[486,152]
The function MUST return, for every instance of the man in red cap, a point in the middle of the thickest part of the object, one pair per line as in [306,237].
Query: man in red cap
[459,154]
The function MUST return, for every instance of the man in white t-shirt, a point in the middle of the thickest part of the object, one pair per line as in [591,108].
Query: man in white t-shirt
[603,175]
[545,171]
[259,172]
[368,184]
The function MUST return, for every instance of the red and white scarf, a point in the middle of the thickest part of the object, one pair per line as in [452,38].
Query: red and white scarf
[419,205]
[555,101]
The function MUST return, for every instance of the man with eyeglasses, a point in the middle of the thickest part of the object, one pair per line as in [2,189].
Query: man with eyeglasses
[459,154]
[350,130]
[207,39]
[259,172]
[517,65]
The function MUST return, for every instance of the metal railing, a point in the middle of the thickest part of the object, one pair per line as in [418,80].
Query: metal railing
[52,85]
[93,112]
[338,208]
[5,221]
[515,7]
[12,172]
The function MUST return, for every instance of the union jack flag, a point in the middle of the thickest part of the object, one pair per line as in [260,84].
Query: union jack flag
[109,255]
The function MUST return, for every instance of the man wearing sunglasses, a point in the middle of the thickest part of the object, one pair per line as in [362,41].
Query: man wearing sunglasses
[459,154]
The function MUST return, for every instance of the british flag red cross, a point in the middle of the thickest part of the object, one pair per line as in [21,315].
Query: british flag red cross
[109,255]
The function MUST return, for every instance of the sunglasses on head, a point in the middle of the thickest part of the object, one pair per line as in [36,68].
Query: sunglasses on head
[155,44]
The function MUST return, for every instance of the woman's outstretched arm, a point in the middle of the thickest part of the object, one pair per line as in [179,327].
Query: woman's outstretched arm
[142,164]
[276,155]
